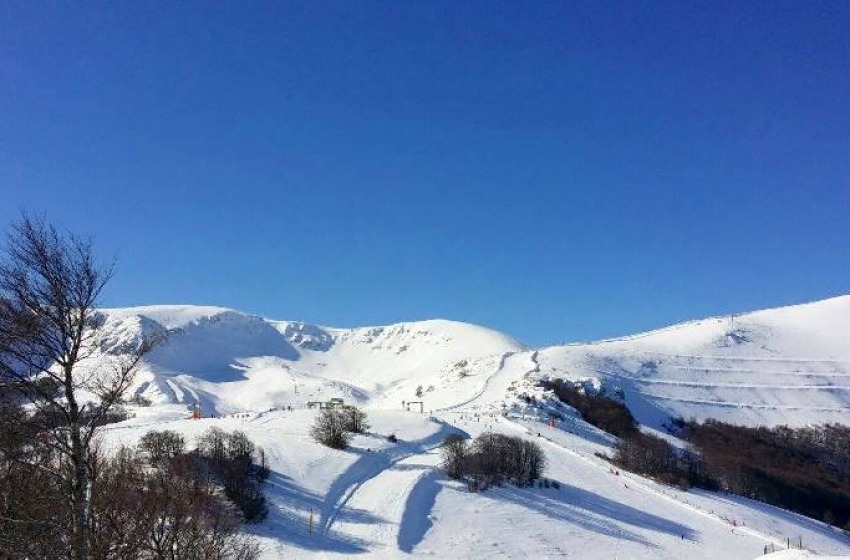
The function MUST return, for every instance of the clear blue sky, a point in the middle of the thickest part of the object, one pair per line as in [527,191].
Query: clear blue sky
[557,170]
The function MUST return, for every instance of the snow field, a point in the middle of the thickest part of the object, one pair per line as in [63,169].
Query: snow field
[385,500]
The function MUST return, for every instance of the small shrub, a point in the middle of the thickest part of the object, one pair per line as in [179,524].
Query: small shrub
[355,420]
[330,429]
[454,451]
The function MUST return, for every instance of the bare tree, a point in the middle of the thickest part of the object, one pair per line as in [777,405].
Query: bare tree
[330,428]
[51,352]
[163,510]
[454,451]
[495,457]
[162,447]
[355,420]
[32,508]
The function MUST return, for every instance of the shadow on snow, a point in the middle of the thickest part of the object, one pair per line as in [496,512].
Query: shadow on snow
[593,512]
[291,524]
[417,510]
[369,465]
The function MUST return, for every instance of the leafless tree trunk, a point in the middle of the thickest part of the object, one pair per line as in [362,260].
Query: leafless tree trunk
[50,338]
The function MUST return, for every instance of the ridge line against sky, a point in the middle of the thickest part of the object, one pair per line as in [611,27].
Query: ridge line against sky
[555,171]
[649,330]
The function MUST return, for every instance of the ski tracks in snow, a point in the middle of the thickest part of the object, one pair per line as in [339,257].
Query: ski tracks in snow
[389,496]
[368,467]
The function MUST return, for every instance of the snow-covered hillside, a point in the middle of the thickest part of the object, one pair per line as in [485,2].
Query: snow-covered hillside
[385,499]
[229,361]
[780,366]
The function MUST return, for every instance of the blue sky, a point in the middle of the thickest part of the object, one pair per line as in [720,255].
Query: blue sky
[557,170]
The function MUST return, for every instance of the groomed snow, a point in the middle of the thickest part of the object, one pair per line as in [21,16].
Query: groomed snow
[383,499]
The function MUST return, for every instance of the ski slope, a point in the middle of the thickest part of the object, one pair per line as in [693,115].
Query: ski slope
[780,366]
[229,361]
[384,500]
[387,500]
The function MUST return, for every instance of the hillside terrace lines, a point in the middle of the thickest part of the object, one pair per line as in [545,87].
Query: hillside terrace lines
[763,391]
[731,371]
[758,359]
[721,384]
[762,406]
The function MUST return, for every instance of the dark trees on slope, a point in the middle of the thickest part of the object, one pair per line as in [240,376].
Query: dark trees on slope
[601,411]
[493,458]
[171,508]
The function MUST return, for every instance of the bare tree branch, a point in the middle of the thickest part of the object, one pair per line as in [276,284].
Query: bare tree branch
[50,329]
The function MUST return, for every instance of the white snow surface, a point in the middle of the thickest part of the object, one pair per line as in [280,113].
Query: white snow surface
[230,361]
[387,500]
[780,366]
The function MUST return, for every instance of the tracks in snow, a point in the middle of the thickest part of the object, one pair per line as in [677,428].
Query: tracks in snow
[498,382]
[368,467]
[388,496]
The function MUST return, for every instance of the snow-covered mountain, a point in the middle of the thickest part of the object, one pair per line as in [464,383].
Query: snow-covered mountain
[229,361]
[789,365]
[386,499]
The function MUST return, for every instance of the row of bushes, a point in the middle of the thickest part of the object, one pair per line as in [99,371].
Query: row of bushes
[806,470]
[493,458]
[230,460]
[654,457]
[156,500]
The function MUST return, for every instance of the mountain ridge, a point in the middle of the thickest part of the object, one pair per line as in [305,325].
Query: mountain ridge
[784,365]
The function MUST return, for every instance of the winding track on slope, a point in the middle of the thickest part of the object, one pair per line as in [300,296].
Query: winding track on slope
[387,495]
[345,487]
[386,490]
[351,484]
[484,387]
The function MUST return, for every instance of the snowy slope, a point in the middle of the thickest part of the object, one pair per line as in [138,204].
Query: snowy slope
[229,361]
[788,365]
[386,500]
[781,366]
